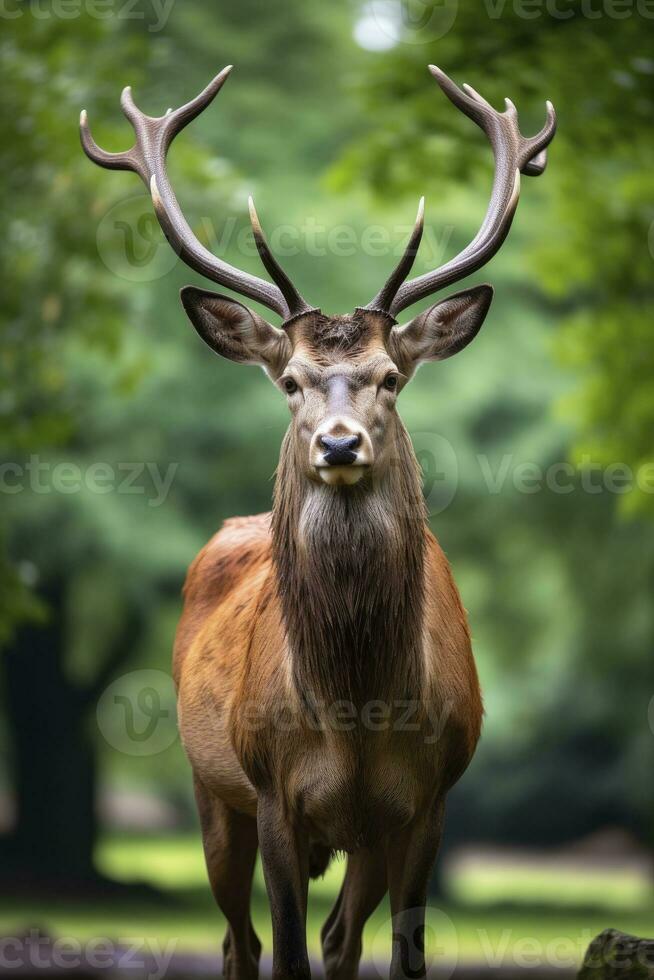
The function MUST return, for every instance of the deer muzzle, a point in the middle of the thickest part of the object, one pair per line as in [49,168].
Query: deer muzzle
[341,451]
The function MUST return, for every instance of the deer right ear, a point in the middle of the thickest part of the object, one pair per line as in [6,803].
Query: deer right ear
[236,332]
[442,330]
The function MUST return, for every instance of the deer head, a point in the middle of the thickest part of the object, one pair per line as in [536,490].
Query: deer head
[340,374]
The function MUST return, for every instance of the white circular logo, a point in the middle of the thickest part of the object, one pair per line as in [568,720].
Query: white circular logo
[440,469]
[136,713]
[131,244]
[412,21]
[439,939]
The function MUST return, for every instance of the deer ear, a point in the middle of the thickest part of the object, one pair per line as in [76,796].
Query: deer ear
[236,332]
[442,330]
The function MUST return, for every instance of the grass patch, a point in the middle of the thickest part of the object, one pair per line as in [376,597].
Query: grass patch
[465,929]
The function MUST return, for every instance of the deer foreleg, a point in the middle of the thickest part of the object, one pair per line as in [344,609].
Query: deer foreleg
[285,859]
[411,857]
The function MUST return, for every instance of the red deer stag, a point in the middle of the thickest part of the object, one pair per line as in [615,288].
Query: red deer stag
[328,697]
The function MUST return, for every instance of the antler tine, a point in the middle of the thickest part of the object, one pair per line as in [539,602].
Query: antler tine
[465,99]
[383,300]
[111,161]
[482,112]
[147,158]
[270,263]
[514,154]
[179,118]
[538,144]
[130,110]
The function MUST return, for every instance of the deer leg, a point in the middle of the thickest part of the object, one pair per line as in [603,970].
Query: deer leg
[411,856]
[363,888]
[230,850]
[285,859]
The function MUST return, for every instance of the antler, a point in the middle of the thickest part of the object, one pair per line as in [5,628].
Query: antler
[514,154]
[147,158]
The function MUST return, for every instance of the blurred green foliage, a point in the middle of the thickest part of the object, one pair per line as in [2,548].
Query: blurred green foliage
[98,365]
[593,240]
[570,609]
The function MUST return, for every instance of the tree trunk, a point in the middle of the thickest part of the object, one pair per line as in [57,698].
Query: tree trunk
[52,755]
[615,955]
[53,751]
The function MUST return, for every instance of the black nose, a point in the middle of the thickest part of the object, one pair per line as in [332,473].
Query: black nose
[339,450]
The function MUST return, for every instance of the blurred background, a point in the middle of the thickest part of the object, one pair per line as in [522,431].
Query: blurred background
[124,443]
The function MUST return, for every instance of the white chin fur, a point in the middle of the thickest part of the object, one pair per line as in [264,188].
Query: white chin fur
[339,476]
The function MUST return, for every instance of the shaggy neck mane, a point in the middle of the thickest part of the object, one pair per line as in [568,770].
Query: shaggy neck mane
[350,574]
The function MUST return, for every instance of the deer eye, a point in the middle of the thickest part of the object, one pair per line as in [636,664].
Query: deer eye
[390,382]
[290,386]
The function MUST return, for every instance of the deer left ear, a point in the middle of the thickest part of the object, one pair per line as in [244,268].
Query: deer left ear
[236,332]
[442,330]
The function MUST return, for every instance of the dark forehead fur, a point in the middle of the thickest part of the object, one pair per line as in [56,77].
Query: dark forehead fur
[332,336]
